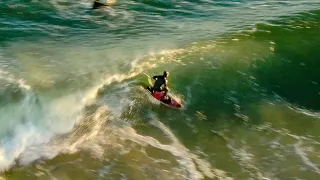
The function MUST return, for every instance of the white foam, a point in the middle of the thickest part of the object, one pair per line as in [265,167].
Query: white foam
[33,124]
[36,124]
[246,160]
[37,127]
[299,151]
[187,160]
[16,127]
[22,84]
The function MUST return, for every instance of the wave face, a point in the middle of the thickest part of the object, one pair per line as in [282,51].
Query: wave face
[72,104]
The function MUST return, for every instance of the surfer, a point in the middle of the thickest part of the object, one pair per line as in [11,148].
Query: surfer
[97,4]
[160,85]
[160,91]
[161,82]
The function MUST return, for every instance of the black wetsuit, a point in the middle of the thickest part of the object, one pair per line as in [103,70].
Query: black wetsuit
[160,80]
[97,4]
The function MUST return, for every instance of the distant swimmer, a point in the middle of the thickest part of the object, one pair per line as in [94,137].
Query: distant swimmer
[97,4]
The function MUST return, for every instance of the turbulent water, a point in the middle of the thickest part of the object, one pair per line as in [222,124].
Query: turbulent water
[72,104]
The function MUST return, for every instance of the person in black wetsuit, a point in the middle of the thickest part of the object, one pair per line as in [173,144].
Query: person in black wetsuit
[161,82]
[161,85]
[97,4]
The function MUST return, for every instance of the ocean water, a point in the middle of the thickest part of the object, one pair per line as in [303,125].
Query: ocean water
[72,104]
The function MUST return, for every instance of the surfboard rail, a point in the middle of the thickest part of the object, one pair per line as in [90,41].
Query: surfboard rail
[171,102]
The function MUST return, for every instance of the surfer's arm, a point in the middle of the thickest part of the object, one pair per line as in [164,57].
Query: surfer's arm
[155,77]
[165,83]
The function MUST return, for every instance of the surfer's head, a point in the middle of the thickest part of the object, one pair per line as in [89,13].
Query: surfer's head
[166,74]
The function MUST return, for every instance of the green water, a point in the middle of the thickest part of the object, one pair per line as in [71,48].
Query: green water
[72,105]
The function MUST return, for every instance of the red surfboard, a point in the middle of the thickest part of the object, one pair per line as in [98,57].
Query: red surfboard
[171,102]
